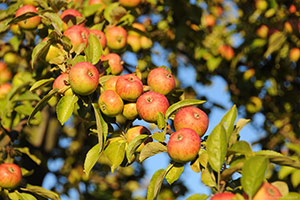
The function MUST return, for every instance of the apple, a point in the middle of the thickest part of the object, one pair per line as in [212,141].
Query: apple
[110,103]
[150,104]
[11,58]
[226,52]
[29,23]
[130,111]
[146,43]
[262,31]
[54,51]
[5,73]
[161,80]
[292,8]
[101,36]
[129,87]
[294,54]
[110,84]
[10,175]
[84,78]
[209,20]
[223,196]
[78,35]
[15,29]
[137,26]
[114,62]
[62,83]
[266,191]
[116,37]
[217,11]
[102,2]
[287,26]
[136,131]
[191,117]
[130,3]
[69,15]
[134,42]
[4,89]
[261,4]
[184,145]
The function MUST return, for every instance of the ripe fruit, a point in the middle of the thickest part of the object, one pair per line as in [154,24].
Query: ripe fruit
[209,20]
[267,192]
[62,83]
[130,111]
[110,84]
[15,29]
[223,196]
[161,81]
[101,36]
[184,145]
[294,54]
[78,35]
[10,175]
[11,58]
[29,23]
[84,78]
[146,43]
[262,31]
[68,16]
[110,103]
[5,73]
[129,3]
[226,52]
[4,89]
[129,87]
[191,117]
[150,104]
[292,8]
[136,131]
[261,4]
[114,62]
[134,42]
[102,2]
[116,37]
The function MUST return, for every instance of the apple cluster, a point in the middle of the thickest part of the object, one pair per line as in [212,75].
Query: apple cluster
[5,77]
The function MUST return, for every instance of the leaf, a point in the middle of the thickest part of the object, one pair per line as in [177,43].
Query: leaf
[54,19]
[291,195]
[41,83]
[201,160]
[285,171]
[91,159]
[181,104]
[27,96]
[25,150]
[15,42]
[208,177]
[159,136]
[197,197]
[239,125]
[91,9]
[241,147]
[41,192]
[295,178]
[155,184]
[115,152]
[216,146]
[26,196]
[294,147]
[65,107]
[213,63]
[150,149]
[253,174]
[38,51]
[134,144]
[40,105]
[275,42]
[282,187]
[102,127]
[161,123]
[228,121]
[174,173]
[94,50]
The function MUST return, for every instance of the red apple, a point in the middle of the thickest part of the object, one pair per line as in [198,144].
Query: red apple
[292,8]
[191,117]
[136,131]
[69,15]
[223,196]
[110,103]
[184,145]
[287,26]
[84,78]
[4,89]
[209,20]
[161,81]
[31,22]
[134,42]
[102,2]
[10,175]
[62,83]
[78,35]
[5,73]
[130,3]
[294,54]
[114,62]
[116,37]
[130,111]
[266,191]
[129,87]
[226,52]
[101,36]
[137,26]
[150,104]
[262,31]
[110,84]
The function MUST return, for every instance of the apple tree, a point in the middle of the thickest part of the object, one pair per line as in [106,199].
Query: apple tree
[69,93]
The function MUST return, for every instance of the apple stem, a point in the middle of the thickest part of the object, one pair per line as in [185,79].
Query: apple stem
[218,181]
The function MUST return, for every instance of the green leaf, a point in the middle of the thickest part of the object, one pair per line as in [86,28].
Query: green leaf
[208,177]
[41,192]
[174,173]
[295,178]
[241,147]
[228,121]
[159,136]
[239,125]
[38,51]
[15,42]
[115,152]
[134,144]
[183,103]
[213,63]
[91,159]
[94,50]
[253,174]
[155,184]
[285,171]
[13,195]
[258,43]
[197,197]
[216,145]
[27,96]
[102,127]
[291,195]
[275,42]
[161,123]
[77,59]
[150,149]
[65,107]
[41,83]
[54,19]
[91,9]
[109,10]
[40,105]
[282,187]
[26,196]
[25,150]
[202,160]
[294,147]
